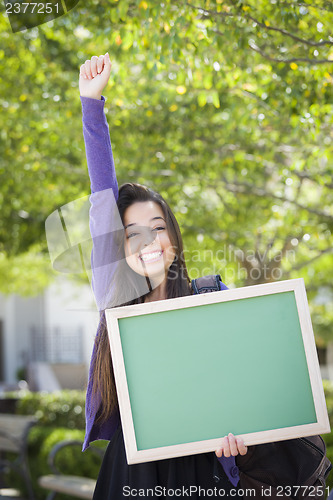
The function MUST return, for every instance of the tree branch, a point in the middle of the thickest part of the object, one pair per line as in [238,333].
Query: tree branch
[288,61]
[304,4]
[306,263]
[212,12]
[271,167]
[262,25]
[306,175]
[245,188]
[294,37]
[257,49]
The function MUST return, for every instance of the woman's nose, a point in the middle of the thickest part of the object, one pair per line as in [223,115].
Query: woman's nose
[149,241]
[143,238]
[149,237]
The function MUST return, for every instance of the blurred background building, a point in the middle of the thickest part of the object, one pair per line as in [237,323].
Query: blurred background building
[47,340]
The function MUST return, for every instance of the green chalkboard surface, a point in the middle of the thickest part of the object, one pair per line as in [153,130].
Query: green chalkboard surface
[240,361]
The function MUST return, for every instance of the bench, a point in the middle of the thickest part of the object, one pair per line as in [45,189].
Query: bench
[14,431]
[76,486]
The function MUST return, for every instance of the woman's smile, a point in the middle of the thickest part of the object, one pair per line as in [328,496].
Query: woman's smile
[149,257]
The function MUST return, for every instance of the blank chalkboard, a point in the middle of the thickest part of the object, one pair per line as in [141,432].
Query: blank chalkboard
[190,370]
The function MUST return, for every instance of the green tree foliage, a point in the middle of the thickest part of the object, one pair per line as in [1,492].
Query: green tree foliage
[223,106]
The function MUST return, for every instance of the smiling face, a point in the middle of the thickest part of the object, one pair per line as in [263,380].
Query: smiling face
[148,248]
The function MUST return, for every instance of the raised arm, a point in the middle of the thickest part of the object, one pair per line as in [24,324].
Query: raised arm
[104,218]
[94,75]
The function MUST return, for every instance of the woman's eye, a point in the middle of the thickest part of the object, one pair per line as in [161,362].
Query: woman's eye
[160,228]
[132,235]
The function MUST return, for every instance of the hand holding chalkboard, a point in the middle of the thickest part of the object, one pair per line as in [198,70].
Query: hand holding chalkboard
[231,446]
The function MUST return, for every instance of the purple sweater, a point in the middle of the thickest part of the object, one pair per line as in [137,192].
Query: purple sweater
[103,220]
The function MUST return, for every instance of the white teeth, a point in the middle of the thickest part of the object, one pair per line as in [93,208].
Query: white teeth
[150,256]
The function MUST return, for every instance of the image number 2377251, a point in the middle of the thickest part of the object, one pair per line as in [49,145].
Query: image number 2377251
[26,15]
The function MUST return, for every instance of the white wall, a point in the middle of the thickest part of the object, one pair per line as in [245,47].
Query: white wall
[72,306]
[18,315]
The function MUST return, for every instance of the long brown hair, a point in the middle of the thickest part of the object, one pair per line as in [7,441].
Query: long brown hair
[178,285]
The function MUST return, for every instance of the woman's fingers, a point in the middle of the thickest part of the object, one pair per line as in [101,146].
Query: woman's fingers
[231,446]
[107,64]
[83,71]
[100,64]
[93,66]
[241,446]
[224,450]
[87,66]
[226,447]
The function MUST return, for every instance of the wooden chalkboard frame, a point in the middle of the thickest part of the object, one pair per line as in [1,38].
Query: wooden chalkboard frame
[135,455]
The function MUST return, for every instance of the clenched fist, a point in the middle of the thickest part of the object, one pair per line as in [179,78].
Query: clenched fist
[94,75]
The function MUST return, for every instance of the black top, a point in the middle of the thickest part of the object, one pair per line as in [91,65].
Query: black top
[180,477]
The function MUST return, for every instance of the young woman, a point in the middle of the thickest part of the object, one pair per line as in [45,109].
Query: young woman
[137,257]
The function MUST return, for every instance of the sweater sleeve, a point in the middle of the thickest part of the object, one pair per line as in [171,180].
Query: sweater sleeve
[104,218]
[98,146]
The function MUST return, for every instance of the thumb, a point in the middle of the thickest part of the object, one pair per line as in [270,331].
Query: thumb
[107,63]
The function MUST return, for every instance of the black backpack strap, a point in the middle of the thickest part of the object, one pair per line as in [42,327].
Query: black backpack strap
[209,283]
